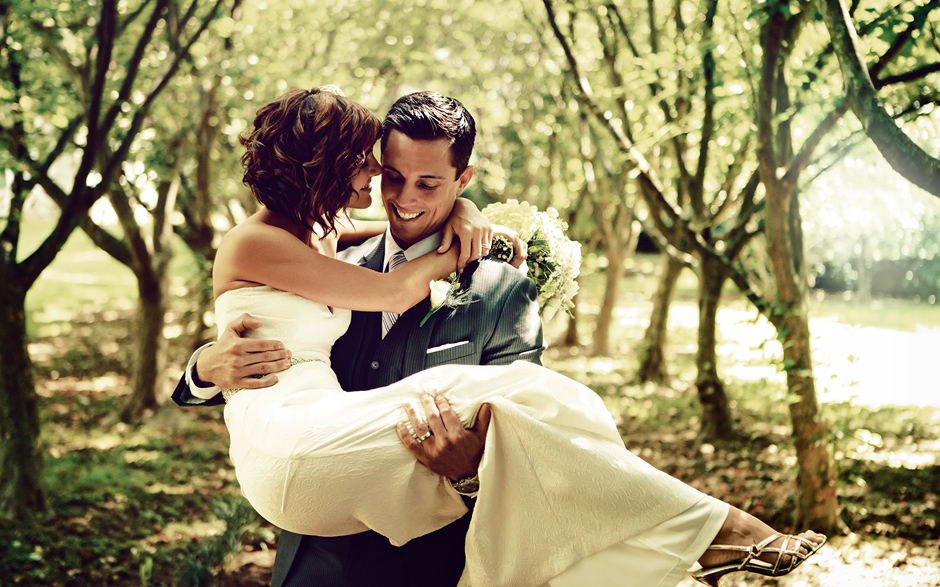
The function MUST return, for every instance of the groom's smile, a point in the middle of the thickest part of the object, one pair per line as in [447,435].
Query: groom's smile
[419,186]
[405,215]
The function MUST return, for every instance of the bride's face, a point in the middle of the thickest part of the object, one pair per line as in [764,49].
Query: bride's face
[362,183]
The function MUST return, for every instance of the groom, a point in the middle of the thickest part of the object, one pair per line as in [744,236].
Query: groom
[426,149]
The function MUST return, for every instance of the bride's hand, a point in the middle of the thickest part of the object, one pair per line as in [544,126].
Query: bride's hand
[473,230]
[520,248]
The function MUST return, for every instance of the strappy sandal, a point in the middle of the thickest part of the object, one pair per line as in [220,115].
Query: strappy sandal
[751,562]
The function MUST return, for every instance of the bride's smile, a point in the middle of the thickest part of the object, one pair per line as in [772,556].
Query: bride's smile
[362,197]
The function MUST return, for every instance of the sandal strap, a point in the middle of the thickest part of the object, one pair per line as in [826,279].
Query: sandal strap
[751,563]
[730,547]
[787,549]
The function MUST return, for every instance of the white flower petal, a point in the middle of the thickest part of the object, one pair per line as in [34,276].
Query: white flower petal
[439,291]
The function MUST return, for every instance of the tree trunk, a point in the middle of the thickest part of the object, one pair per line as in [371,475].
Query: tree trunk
[571,332]
[150,263]
[201,232]
[652,361]
[21,485]
[817,503]
[863,267]
[201,291]
[817,506]
[613,275]
[150,347]
[716,422]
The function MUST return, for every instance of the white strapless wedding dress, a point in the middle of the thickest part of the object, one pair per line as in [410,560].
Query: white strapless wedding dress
[556,484]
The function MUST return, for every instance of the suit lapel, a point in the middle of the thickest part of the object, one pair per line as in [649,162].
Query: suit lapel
[374,259]
[411,339]
[408,334]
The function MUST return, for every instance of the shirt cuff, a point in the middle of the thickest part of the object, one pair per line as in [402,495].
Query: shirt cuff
[194,388]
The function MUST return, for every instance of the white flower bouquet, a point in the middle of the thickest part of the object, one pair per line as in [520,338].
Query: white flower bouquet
[554,260]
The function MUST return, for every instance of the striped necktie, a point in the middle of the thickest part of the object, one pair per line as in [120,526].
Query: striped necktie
[389,318]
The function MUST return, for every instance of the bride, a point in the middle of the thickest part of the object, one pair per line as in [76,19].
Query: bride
[556,484]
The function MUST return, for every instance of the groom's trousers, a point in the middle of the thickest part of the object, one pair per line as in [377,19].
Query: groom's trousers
[368,559]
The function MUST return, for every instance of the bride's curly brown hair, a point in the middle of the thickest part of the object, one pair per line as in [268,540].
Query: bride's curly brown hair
[304,151]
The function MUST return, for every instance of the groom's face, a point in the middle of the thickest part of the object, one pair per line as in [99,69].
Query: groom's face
[419,186]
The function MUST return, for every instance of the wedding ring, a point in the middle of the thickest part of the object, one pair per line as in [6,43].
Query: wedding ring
[487,246]
[423,437]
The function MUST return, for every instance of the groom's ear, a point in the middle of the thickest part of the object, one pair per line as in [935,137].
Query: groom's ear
[464,179]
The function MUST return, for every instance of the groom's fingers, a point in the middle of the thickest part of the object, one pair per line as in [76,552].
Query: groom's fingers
[418,421]
[250,351]
[450,451]
[406,438]
[483,421]
[235,362]
[241,325]
[433,415]
[450,421]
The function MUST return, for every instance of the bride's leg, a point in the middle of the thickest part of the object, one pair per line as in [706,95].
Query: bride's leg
[743,529]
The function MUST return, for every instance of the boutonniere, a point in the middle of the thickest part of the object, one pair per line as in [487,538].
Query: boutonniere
[447,293]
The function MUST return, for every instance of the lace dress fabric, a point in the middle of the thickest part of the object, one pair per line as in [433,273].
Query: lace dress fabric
[556,483]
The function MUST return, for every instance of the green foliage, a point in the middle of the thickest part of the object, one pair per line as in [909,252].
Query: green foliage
[198,564]
[161,500]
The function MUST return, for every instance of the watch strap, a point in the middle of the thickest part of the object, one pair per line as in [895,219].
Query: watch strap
[468,485]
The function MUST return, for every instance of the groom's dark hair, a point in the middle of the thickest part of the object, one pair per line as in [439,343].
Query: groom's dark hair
[428,116]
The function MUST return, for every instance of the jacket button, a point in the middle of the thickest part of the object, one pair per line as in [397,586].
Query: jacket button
[374,365]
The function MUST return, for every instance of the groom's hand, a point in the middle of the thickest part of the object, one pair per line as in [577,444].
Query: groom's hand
[451,450]
[235,362]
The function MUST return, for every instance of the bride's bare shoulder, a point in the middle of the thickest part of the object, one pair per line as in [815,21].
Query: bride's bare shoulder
[254,230]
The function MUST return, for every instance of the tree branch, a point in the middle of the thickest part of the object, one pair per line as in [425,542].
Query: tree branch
[903,154]
[585,96]
[82,196]
[802,159]
[910,76]
[918,18]
[133,65]
[696,193]
[120,154]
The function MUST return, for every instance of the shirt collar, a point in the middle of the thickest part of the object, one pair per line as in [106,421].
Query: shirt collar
[430,243]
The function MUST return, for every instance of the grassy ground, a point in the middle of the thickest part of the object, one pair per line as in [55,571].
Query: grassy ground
[159,505]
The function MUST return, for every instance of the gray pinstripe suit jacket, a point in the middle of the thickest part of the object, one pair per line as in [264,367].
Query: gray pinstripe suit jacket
[500,327]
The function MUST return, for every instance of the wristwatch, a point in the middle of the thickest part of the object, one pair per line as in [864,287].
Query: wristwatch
[467,486]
